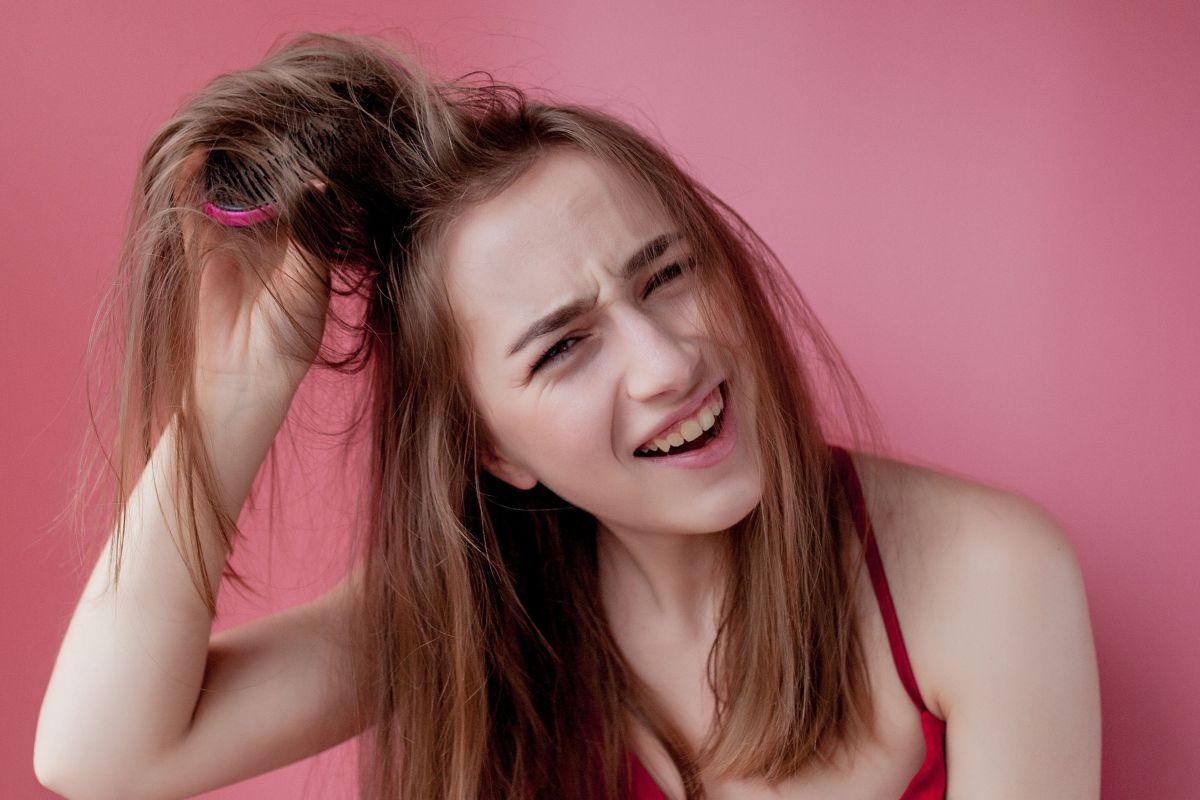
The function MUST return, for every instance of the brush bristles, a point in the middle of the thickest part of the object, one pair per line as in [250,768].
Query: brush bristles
[238,185]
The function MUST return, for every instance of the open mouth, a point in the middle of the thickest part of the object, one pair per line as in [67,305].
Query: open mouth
[700,441]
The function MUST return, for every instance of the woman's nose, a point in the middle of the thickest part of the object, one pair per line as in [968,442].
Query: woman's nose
[659,361]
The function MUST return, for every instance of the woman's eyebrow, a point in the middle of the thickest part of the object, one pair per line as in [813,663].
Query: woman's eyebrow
[564,314]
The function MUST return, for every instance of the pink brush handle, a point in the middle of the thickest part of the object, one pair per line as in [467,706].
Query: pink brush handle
[239,219]
[242,219]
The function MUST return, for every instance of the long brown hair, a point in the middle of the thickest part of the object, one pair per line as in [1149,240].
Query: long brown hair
[484,663]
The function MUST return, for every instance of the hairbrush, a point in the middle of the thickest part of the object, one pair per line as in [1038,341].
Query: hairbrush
[237,187]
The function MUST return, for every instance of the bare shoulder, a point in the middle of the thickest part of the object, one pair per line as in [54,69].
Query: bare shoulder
[948,521]
[971,568]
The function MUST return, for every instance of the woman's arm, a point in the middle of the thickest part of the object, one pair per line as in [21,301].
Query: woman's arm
[140,702]
[125,698]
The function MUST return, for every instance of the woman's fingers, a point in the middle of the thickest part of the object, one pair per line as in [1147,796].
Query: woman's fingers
[241,304]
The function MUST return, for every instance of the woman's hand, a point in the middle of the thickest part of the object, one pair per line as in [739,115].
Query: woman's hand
[239,314]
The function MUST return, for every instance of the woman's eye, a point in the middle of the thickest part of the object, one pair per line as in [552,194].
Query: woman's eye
[556,351]
[564,346]
[667,274]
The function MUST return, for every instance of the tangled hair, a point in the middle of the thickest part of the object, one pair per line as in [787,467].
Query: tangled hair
[483,661]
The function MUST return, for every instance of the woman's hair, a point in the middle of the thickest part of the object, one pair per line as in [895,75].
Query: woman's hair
[483,659]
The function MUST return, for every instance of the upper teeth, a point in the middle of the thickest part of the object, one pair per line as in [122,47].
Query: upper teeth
[688,429]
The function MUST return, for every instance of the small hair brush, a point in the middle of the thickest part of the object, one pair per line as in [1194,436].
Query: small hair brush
[237,188]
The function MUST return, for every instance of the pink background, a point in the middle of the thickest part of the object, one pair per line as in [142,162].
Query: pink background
[994,209]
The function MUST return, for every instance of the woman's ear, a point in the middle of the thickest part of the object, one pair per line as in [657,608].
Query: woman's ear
[506,470]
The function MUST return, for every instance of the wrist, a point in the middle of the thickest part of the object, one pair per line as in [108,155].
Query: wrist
[237,404]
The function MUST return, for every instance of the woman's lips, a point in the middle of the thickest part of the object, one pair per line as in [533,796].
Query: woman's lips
[687,411]
[712,453]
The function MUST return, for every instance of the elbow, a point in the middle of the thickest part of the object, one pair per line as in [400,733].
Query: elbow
[44,771]
[53,775]
[65,777]
[79,765]
[48,768]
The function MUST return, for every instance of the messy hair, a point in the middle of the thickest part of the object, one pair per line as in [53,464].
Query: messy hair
[483,662]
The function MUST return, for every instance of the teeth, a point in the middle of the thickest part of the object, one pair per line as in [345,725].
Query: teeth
[689,429]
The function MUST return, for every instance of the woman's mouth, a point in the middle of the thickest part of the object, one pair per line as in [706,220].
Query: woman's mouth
[707,448]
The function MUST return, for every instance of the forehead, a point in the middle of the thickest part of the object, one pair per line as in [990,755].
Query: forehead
[546,239]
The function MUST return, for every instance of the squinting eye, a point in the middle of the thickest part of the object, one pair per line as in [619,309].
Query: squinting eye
[564,346]
[554,353]
[667,274]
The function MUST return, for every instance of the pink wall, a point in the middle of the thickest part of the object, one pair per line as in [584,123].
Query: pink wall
[994,211]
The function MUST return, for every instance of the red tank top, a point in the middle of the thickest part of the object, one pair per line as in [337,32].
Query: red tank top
[929,783]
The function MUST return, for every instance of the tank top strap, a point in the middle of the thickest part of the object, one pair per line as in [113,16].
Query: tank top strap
[862,524]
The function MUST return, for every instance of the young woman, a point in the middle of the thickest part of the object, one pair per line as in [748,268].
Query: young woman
[610,550]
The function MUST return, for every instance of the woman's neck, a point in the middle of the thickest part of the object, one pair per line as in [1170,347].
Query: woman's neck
[671,580]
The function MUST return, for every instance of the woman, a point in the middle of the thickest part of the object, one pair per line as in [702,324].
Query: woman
[610,550]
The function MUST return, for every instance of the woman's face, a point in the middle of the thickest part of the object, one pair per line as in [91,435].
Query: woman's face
[568,406]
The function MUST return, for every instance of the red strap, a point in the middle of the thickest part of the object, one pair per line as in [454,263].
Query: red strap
[862,524]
